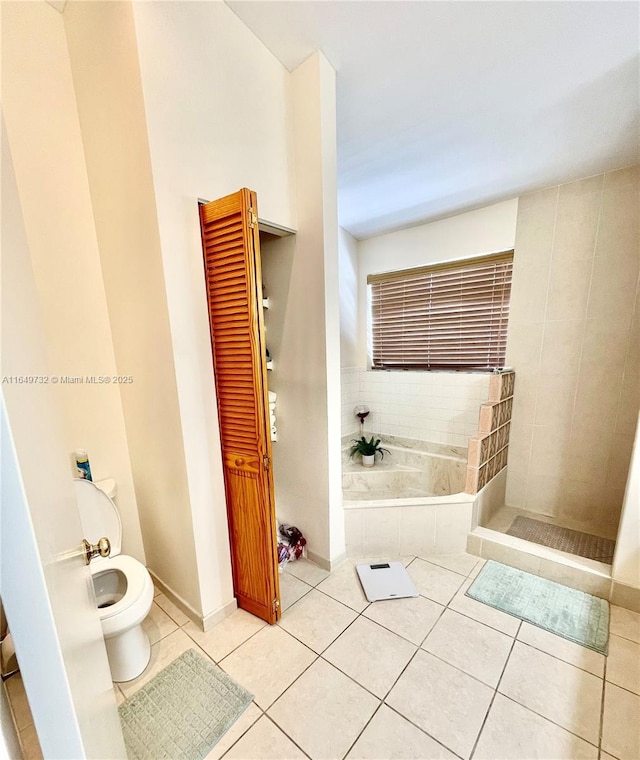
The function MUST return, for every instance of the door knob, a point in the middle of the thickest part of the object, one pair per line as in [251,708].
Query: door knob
[102,548]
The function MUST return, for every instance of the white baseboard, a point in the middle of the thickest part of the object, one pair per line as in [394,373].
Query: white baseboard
[215,617]
[180,603]
[324,563]
[204,622]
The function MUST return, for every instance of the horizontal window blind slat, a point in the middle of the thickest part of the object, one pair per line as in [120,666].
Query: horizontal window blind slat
[449,315]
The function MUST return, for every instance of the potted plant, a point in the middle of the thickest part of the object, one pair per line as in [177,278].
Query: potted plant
[367,450]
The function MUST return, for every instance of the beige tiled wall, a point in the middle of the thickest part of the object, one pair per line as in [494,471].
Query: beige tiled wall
[441,407]
[574,341]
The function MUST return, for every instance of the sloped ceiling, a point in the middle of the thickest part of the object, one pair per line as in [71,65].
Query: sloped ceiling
[447,106]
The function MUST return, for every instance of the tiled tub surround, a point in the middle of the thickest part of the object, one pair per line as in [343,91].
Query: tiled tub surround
[434,406]
[411,502]
[410,469]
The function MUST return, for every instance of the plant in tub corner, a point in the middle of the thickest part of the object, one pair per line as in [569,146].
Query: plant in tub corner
[367,450]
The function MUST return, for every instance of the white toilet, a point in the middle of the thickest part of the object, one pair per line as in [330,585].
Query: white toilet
[123,586]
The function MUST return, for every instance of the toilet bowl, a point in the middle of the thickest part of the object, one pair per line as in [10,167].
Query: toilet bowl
[122,585]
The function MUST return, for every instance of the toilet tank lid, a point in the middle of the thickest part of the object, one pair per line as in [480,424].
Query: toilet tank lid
[108,486]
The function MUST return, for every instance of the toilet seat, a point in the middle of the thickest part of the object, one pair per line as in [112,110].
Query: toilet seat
[138,596]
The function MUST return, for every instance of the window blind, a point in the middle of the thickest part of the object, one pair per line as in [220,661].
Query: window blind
[445,316]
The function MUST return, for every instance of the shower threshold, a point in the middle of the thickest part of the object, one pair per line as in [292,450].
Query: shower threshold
[584,574]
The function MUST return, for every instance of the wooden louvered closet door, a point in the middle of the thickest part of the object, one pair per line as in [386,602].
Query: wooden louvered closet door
[234,290]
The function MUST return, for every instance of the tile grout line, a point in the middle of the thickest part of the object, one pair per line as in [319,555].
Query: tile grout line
[244,733]
[364,728]
[359,614]
[426,733]
[602,698]
[418,649]
[495,692]
[560,659]
[548,720]
[535,712]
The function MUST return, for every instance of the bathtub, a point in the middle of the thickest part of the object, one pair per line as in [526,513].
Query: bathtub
[411,503]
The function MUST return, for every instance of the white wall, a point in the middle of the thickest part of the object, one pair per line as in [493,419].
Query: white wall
[350,398]
[303,332]
[45,140]
[46,588]
[436,406]
[218,116]
[486,230]
[104,61]
[348,262]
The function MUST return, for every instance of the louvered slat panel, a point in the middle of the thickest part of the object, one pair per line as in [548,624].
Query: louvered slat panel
[232,276]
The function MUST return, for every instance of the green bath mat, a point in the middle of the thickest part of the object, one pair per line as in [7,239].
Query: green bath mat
[182,712]
[559,609]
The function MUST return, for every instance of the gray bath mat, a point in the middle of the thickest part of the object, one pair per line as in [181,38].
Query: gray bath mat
[559,609]
[182,712]
[564,539]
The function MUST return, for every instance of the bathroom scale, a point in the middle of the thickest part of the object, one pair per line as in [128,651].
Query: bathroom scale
[386,580]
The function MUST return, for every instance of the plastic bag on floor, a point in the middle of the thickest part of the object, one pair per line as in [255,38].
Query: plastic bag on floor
[290,544]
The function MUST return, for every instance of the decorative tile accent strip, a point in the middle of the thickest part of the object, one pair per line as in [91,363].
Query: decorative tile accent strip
[488,449]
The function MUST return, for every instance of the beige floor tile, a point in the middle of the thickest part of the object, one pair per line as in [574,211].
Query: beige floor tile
[483,613]
[291,589]
[158,624]
[436,583]
[514,733]
[390,736]
[620,727]
[227,635]
[240,727]
[343,585]
[371,655]
[623,664]
[605,756]
[307,571]
[317,620]
[410,618]
[324,711]
[264,741]
[19,702]
[461,563]
[442,700]
[469,645]
[163,653]
[174,612]
[562,648]
[30,744]
[267,663]
[474,573]
[560,692]
[625,623]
